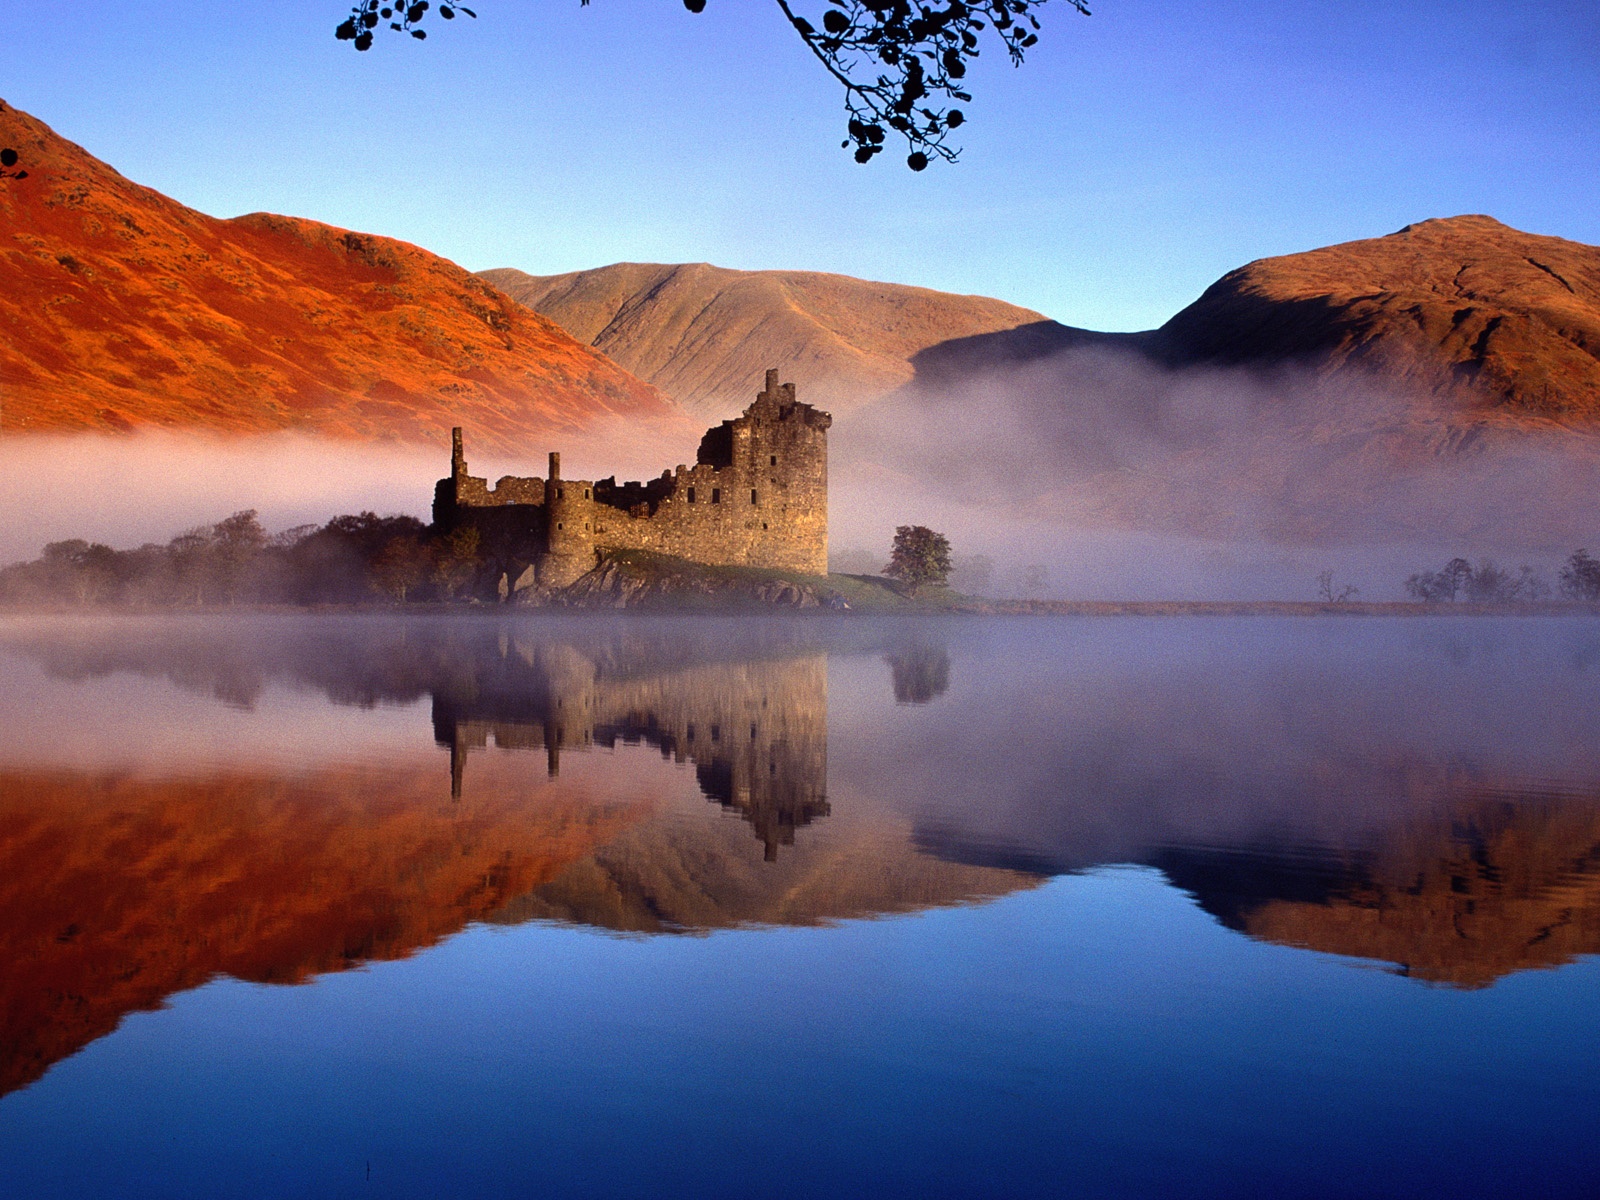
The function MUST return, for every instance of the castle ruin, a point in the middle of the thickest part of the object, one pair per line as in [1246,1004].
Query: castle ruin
[757,496]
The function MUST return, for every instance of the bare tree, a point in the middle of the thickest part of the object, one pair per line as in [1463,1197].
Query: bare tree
[1328,594]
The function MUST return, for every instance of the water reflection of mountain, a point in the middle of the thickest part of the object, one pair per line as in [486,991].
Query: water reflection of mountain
[118,890]
[1364,803]
[1487,885]
[123,885]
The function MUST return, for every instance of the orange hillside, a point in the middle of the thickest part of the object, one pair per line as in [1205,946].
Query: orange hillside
[122,308]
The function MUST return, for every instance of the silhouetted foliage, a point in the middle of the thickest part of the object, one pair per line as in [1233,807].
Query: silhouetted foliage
[8,160]
[366,16]
[902,63]
[1329,594]
[919,556]
[457,561]
[352,559]
[1486,583]
[335,564]
[1580,578]
[921,673]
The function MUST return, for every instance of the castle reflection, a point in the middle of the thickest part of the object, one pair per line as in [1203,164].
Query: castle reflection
[144,851]
[756,731]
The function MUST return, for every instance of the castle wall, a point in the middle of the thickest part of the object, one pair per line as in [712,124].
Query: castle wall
[757,497]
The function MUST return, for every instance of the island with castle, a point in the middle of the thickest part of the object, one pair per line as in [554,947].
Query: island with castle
[756,496]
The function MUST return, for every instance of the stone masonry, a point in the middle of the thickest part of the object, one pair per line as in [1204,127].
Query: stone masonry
[757,496]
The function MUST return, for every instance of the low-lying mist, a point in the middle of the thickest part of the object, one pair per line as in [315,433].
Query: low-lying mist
[128,489]
[1093,474]
[1112,477]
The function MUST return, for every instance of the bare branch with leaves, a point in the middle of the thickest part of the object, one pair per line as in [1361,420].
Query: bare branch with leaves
[902,63]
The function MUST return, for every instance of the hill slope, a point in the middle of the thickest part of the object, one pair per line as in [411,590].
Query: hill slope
[1463,309]
[702,333]
[123,308]
[1440,385]
[1463,305]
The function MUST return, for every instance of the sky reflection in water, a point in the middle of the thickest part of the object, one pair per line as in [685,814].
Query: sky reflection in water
[1063,828]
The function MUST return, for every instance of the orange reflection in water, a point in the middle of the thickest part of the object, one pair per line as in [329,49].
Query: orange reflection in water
[118,889]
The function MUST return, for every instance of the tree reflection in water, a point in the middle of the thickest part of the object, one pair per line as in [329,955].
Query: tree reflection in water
[1289,811]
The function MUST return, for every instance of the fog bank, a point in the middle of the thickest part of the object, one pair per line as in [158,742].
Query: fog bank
[1126,480]
[129,489]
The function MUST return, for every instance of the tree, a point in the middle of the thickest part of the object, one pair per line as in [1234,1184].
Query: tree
[1580,578]
[1328,594]
[457,560]
[918,556]
[901,62]
[1434,587]
[401,565]
[237,543]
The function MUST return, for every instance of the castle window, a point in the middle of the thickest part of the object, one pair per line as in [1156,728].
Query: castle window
[752,733]
[691,495]
[716,733]
[689,732]
[716,495]
[774,460]
[752,495]
[763,524]
[560,525]
[560,492]
[585,493]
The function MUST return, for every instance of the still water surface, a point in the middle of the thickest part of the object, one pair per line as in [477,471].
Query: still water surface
[361,906]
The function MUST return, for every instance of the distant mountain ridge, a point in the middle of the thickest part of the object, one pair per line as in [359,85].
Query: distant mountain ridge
[701,333]
[124,309]
[1465,309]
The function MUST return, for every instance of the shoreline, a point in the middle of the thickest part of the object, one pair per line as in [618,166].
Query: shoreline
[963,606]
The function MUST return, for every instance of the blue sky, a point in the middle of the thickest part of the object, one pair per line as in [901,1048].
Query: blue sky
[1139,154]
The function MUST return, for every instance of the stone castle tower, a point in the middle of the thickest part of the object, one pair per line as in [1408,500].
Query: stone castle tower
[757,496]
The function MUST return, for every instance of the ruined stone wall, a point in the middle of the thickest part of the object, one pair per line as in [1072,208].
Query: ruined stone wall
[756,497]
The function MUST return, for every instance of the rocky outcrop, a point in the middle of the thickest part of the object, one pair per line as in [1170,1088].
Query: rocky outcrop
[657,582]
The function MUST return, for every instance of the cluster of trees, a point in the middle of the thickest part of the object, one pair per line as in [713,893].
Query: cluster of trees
[1488,583]
[352,559]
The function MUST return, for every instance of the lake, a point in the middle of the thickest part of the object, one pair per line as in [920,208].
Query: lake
[487,906]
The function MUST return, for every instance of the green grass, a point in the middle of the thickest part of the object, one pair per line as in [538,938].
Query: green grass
[864,593]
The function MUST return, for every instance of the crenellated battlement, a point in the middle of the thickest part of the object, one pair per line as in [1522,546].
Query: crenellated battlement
[756,496]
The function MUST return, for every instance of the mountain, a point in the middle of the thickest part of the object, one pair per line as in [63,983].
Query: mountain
[123,308]
[1463,308]
[1463,305]
[1437,386]
[701,333]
